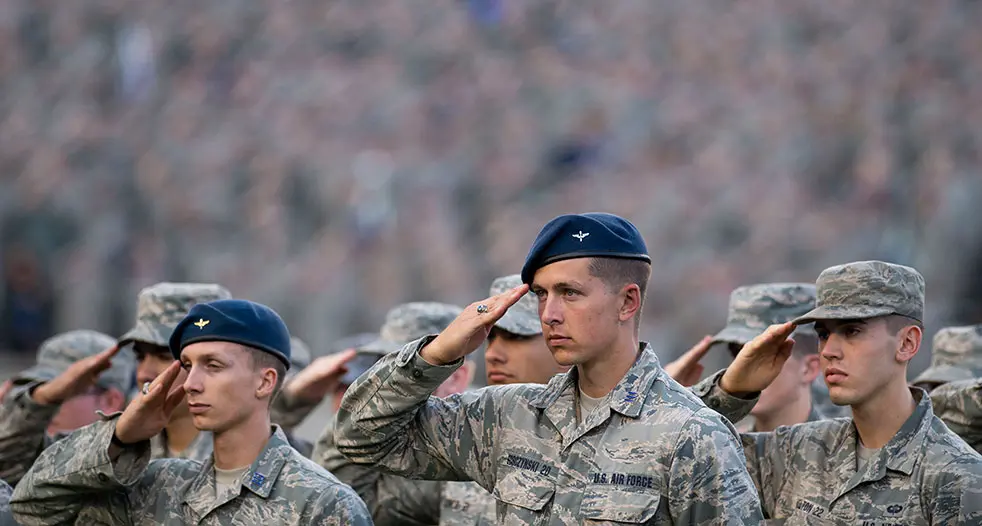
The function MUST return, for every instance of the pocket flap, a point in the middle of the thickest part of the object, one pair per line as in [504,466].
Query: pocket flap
[606,503]
[524,489]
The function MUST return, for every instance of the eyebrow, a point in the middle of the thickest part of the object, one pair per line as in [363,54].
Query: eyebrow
[210,355]
[559,285]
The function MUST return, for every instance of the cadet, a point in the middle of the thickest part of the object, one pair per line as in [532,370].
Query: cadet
[77,373]
[614,439]
[159,308]
[236,354]
[894,462]
[959,406]
[788,400]
[516,353]
[956,354]
[395,500]
[6,518]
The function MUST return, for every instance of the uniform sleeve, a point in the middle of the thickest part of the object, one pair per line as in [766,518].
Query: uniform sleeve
[339,507]
[388,419]
[6,518]
[362,479]
[732,407]
[408,502]
[289,412]
[74,472]
[956,493]
[708,480]
[23,425]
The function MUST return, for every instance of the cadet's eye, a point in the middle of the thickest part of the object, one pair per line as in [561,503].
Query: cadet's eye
[186,365]
[822,334]
[852,331]
[539,293]
[214,365]
[569,293]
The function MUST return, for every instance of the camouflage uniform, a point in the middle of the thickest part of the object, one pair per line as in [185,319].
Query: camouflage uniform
[6,518]
[75,481]
[807,474]
[650,454]
[394,500]
[287,413]
[24,422]
[959,406]
[956,354]
[159,308]
[753,308]
[467,503]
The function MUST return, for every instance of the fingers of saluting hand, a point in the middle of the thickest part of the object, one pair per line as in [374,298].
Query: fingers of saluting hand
[492,309]
[161,386]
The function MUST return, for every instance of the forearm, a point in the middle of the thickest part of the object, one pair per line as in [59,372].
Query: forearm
[733,408]
[23,425]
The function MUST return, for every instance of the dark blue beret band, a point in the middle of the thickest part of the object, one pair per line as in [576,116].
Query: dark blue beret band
[236,321]
[582,236]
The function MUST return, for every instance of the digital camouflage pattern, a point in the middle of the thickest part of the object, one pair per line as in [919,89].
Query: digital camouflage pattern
[651,453]
[160,307]
[24,422]
[466,504]
[521,318]
[75,481]
[959,406]
[59,352]
[807,473]
[867,289]
[200,448]
[286,411]
[956,354]
[753,308]
[748,424]
[392,500]
[6,518]
[409,322]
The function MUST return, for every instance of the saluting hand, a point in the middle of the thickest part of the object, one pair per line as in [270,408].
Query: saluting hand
[760,361]
[149,413]
[686,370]
[471,328]
[319,378]
[77,379]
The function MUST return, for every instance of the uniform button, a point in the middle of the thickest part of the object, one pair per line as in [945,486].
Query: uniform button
[417,373]
[103,477]
[714,403]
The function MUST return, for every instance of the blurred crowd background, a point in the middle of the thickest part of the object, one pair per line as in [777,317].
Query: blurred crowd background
[335,158]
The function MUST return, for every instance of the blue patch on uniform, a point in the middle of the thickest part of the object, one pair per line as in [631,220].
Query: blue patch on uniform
[258,479]
[895,508]
[631,396]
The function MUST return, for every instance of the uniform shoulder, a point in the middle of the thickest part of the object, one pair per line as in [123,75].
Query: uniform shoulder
[944,447]
[666,393]
[301,471]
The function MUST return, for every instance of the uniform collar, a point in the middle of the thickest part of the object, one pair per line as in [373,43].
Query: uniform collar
[627,397]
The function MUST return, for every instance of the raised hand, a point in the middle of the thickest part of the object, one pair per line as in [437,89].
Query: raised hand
[759,361]
[148,414]
[77,379]
[687,370]
[319,378]
[471,328]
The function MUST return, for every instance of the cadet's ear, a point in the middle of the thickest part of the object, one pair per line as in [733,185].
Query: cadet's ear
[909,342]
[267,382]
[630,302]
[112,400]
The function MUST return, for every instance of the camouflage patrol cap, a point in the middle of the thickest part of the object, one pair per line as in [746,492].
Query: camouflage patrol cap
[299,354]
[523,317]
[160,307]
[411,321]
[59,352]
[956,354]
[755,307]
[867,289]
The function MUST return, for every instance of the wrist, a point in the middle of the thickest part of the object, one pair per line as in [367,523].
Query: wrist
[726,385]
[432,355]
[42,395]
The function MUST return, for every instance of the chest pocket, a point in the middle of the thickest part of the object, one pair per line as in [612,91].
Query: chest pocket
[610,505]
[523,488]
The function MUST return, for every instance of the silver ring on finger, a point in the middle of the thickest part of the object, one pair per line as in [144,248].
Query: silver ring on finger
[482,309]
[146,388]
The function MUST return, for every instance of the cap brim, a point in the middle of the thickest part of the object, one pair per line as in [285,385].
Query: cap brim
[39,373]
[943,374]
[519,324]
[829,312]
[381,347]
[146,333]
[737,335]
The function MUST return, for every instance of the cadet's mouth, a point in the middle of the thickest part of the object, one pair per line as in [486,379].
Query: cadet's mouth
[198,408]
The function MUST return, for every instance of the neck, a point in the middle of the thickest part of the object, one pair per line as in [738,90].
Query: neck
[241,445]
[794,412]
[600,376]
[881,417]
[180,433]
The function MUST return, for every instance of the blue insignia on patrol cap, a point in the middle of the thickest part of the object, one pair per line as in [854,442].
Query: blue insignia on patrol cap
[238,321]
[581,236]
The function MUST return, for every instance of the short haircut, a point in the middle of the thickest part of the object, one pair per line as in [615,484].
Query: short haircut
[896,322]
[264,360]
[618,272]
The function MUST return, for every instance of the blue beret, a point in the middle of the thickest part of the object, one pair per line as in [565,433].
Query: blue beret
[238,321]
[583,236]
